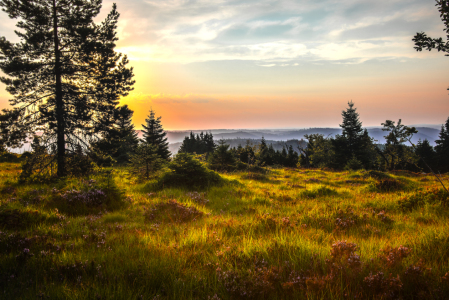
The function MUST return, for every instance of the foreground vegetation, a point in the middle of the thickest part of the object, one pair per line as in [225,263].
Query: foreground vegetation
[288,233]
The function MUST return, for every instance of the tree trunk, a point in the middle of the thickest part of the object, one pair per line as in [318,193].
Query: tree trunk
[59,102]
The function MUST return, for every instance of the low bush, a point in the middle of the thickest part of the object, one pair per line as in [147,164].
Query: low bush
[422,197]
[321,191]
[188,172]
[87,198]
[376,175]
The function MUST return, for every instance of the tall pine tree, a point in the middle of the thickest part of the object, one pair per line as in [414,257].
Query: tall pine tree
[154,134]
[354,141]
[63,74]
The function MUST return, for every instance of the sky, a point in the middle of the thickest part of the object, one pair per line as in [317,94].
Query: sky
[215,64]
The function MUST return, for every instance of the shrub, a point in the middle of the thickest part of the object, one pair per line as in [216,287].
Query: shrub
[354,164]
[421,198]
[87,198]
[187,171]
[376,175]
[145,161]
[321,191]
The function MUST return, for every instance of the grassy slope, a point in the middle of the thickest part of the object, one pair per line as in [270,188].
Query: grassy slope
[266,237]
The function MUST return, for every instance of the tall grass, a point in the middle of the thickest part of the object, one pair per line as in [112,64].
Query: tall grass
[293,234]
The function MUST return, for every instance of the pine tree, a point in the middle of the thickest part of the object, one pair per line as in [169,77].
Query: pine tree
[263,155]
[199,144]
[145,161]
[121,140]
[426,154]
[64,74]
[292,157]
[222,158]
[442,148]
[354,141]
[154,134]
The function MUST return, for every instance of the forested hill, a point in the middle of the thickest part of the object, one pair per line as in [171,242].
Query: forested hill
[236,137]
[277,145]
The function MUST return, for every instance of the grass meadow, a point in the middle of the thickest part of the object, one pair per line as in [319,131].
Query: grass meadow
[287,234]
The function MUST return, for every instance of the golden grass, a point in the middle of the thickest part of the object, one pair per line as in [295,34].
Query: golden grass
[262,238]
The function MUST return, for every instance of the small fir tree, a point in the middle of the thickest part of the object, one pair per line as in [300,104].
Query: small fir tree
[222,158]
[154,134]
[145,161]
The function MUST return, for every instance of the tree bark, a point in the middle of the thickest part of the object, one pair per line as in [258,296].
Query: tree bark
[59,101]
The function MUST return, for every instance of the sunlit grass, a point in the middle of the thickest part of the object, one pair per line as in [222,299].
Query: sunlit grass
[256,229]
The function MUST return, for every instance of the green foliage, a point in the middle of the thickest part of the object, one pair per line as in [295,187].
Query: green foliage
[199,144]
[422,41]
[320,191]
[426,154]
[154,134]
[319,152]
[188,172]
[87,197]
[442,148]
[376,175]
[145,162]
[64,73]
[354,143]
[25,218]
[120,140]
[396,155]
[41,166]
[423,197]
[354,164]
[259,239]
[222,159]
[9,157]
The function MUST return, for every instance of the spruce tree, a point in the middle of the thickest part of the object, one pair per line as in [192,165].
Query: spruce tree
[63,74]
[145,161]
[354,141]
[222,158]
[121,140]
[442,148]
[263,154]
[199,144]
[292,157]
[154,134]
[426,154]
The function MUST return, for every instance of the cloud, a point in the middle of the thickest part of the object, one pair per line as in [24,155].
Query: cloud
[180,31]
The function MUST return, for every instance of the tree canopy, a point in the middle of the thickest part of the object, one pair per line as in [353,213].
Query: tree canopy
[154,134]
[64,75]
